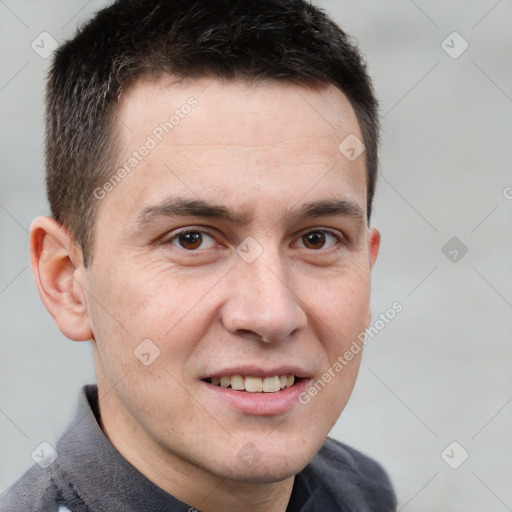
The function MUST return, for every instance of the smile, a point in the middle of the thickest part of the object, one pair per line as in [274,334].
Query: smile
[252,384]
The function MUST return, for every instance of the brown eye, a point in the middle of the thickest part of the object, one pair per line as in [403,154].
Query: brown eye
[317,239]
[314,240]
[191,240]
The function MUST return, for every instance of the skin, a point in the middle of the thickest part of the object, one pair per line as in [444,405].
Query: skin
[265,150]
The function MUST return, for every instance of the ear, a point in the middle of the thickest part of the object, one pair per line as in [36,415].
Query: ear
[373,245]
[373,251]
[60,277]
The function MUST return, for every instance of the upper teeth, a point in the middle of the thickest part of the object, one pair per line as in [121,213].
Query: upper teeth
[255,384]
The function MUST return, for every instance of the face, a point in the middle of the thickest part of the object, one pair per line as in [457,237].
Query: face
[233,251]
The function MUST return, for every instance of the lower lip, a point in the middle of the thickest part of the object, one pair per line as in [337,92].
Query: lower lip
[260,404]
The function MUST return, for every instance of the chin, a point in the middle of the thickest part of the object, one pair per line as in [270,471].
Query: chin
[272,476]
[266,473]
[252,466]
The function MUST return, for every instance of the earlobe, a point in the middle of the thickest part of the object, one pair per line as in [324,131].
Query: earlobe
[58,269]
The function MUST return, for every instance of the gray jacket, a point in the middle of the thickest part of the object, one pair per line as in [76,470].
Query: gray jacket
[90,475]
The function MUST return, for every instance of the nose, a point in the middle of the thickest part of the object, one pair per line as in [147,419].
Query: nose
[262,303]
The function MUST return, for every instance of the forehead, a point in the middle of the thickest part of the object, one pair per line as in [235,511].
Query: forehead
[234,141]
[149,100]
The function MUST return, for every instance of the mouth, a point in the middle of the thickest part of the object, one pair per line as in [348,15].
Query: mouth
[253,383]
[257,391]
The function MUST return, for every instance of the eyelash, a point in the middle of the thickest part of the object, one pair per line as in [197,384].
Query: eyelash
[340,240]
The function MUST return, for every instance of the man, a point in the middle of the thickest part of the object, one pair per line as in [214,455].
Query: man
[211,166]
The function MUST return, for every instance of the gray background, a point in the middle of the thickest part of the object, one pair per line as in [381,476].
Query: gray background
[441,370]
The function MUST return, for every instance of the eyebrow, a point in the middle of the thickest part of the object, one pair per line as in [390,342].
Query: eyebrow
[179,207]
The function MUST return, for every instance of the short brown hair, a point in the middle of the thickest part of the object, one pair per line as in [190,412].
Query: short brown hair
[285,40]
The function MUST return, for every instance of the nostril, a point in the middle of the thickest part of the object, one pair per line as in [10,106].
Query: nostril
[249,333]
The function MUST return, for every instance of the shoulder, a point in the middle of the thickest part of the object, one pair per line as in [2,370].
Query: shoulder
[352,478]
[35,490]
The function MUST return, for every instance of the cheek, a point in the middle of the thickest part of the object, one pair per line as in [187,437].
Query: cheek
[136,299]
[342,307]
[129,306]
[348,313]
[134,316]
